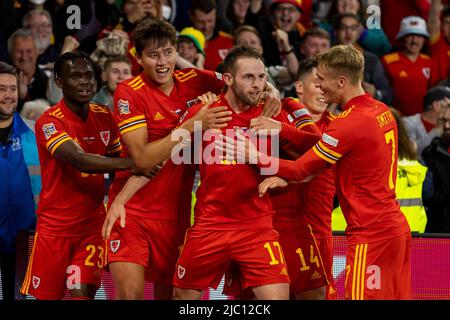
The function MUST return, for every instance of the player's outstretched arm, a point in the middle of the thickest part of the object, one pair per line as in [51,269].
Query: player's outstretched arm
[117,208]
[147,155]
[71,152]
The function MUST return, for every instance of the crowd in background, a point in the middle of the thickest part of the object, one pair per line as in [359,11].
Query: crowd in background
[406,52]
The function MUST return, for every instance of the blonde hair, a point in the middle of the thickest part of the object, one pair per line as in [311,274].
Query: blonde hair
[344,59]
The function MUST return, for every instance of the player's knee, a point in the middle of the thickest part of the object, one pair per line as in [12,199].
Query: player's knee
[130,293]
[186,294]
[313,294]
[276,291]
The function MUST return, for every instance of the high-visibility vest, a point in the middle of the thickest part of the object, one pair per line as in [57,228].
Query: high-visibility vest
[410,177]
[408,189]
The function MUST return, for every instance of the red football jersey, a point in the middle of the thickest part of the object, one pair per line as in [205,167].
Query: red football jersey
[217,49]
[440,54]
[410,81]
[317,195]
[287,202]
[362,142]
[227,198]
[139,104]
[71,202]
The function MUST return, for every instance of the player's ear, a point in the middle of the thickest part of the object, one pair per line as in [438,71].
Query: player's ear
[58,82]
[299,87]
[342,82]
[228,79]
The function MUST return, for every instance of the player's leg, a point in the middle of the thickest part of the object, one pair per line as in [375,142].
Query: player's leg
[128,256]
[85,270]
[129,280]
[275,291]
[203,260]
[164,243]
[262,263]
[186,294]
[46,273]
[313,294]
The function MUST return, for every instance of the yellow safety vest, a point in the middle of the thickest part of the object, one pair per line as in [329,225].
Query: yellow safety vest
[408,189]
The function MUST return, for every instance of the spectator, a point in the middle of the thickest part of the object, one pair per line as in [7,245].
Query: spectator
[315,41]
[203,17]
[281,30]
[411,185]
[423,127]
[236,10]
[408,70]
[393,13]
[371,39]
[191,44]
[40,24]
[20,177]
[439,40]
[437,159]
[116,69]
[348,28]
[279,76]
[23,53]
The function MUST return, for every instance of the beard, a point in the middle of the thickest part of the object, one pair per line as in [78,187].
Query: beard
[42,43]
[246,98]
[5,114]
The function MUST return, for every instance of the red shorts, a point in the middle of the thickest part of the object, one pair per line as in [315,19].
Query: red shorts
[304,261]
[206,255]
[59,263]
[151,243]
[325,246]
[379,270]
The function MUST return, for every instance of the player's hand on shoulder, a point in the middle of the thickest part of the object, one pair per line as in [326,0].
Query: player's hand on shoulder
[264,123]
[213,118]
[271,183]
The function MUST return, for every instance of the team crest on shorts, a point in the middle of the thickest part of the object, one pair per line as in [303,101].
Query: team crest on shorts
[123,106]
[181,272]
[114,244]
[105,137]
[49,130]
[36,282]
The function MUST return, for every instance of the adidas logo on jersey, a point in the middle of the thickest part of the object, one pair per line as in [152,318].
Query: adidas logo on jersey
[158,116]
[316,275]
[284,271]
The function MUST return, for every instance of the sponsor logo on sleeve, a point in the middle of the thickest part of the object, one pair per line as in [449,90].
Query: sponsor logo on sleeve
[123,106]
[300,112]
[330,140]
[49,129]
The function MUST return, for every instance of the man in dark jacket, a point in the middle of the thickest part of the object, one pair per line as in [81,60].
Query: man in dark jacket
[437,159]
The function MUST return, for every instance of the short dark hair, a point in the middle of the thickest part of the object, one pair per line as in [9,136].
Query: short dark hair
[112,59]
[446,11]
[316,32]
[338,20]
[159,31]
[246,28]
[238,53]
[305,67]
[71,56]
[205,6]
[6,68]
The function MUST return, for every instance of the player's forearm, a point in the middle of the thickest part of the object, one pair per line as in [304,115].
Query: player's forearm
[94,163]
[301,139]
[298,170]
[133,185]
